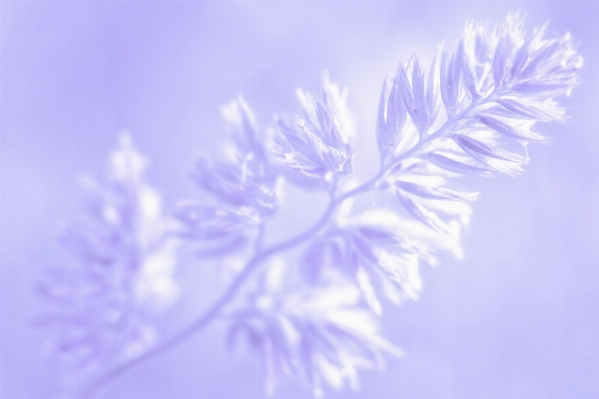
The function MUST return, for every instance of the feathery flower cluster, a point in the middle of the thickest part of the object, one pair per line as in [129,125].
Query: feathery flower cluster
[244,180]
[470,113]
[316,149]
[122,272]
[319,334]
[244,186]
[432,125]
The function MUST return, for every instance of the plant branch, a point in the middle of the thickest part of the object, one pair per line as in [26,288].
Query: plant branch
[230,292]
[254,263]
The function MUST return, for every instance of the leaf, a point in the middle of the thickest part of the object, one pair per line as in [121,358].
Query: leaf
[408,96]
[510,131]
[424,215]
[457,70]
[239,118]
[468,64]
[507,167]
[368,291]
[436,193]
[380,236]
[524,52]
[539,88]
[499,61]
[451,165]
[450,78]
[470,145]
[390,123]
[519,60]
[540,57]
[363,248]
[431,90]
[400,110]
[390,120]
[531,111]
[297,141]
[421,112]
[381,126]
[443,81]
[326,125]
[406,87]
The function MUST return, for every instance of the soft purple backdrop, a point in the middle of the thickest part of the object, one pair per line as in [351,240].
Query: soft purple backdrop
[516,319]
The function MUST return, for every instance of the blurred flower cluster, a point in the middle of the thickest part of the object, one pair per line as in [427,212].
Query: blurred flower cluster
[315,316]
[121,271]
[319,334]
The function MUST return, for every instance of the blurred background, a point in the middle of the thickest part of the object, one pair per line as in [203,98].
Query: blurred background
[517,318]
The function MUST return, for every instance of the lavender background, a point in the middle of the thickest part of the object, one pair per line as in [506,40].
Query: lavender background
[516,319]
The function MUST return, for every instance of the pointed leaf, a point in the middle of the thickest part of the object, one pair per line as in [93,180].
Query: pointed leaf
[457,71]
[443,71]
[529,111]
[407,95]
[519,60]
[381,127]
[380,236]
[539,57]
[368,292]
[427,217]
[363,247]
[390,116]
[509,131]
[431,89]
[540,88]
[436,193]
[499,61]
[400,110]
[472,145]
[454,166]
[468,65]
[419,96]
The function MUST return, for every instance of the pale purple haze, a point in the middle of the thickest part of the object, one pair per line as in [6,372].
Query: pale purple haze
[515,318]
